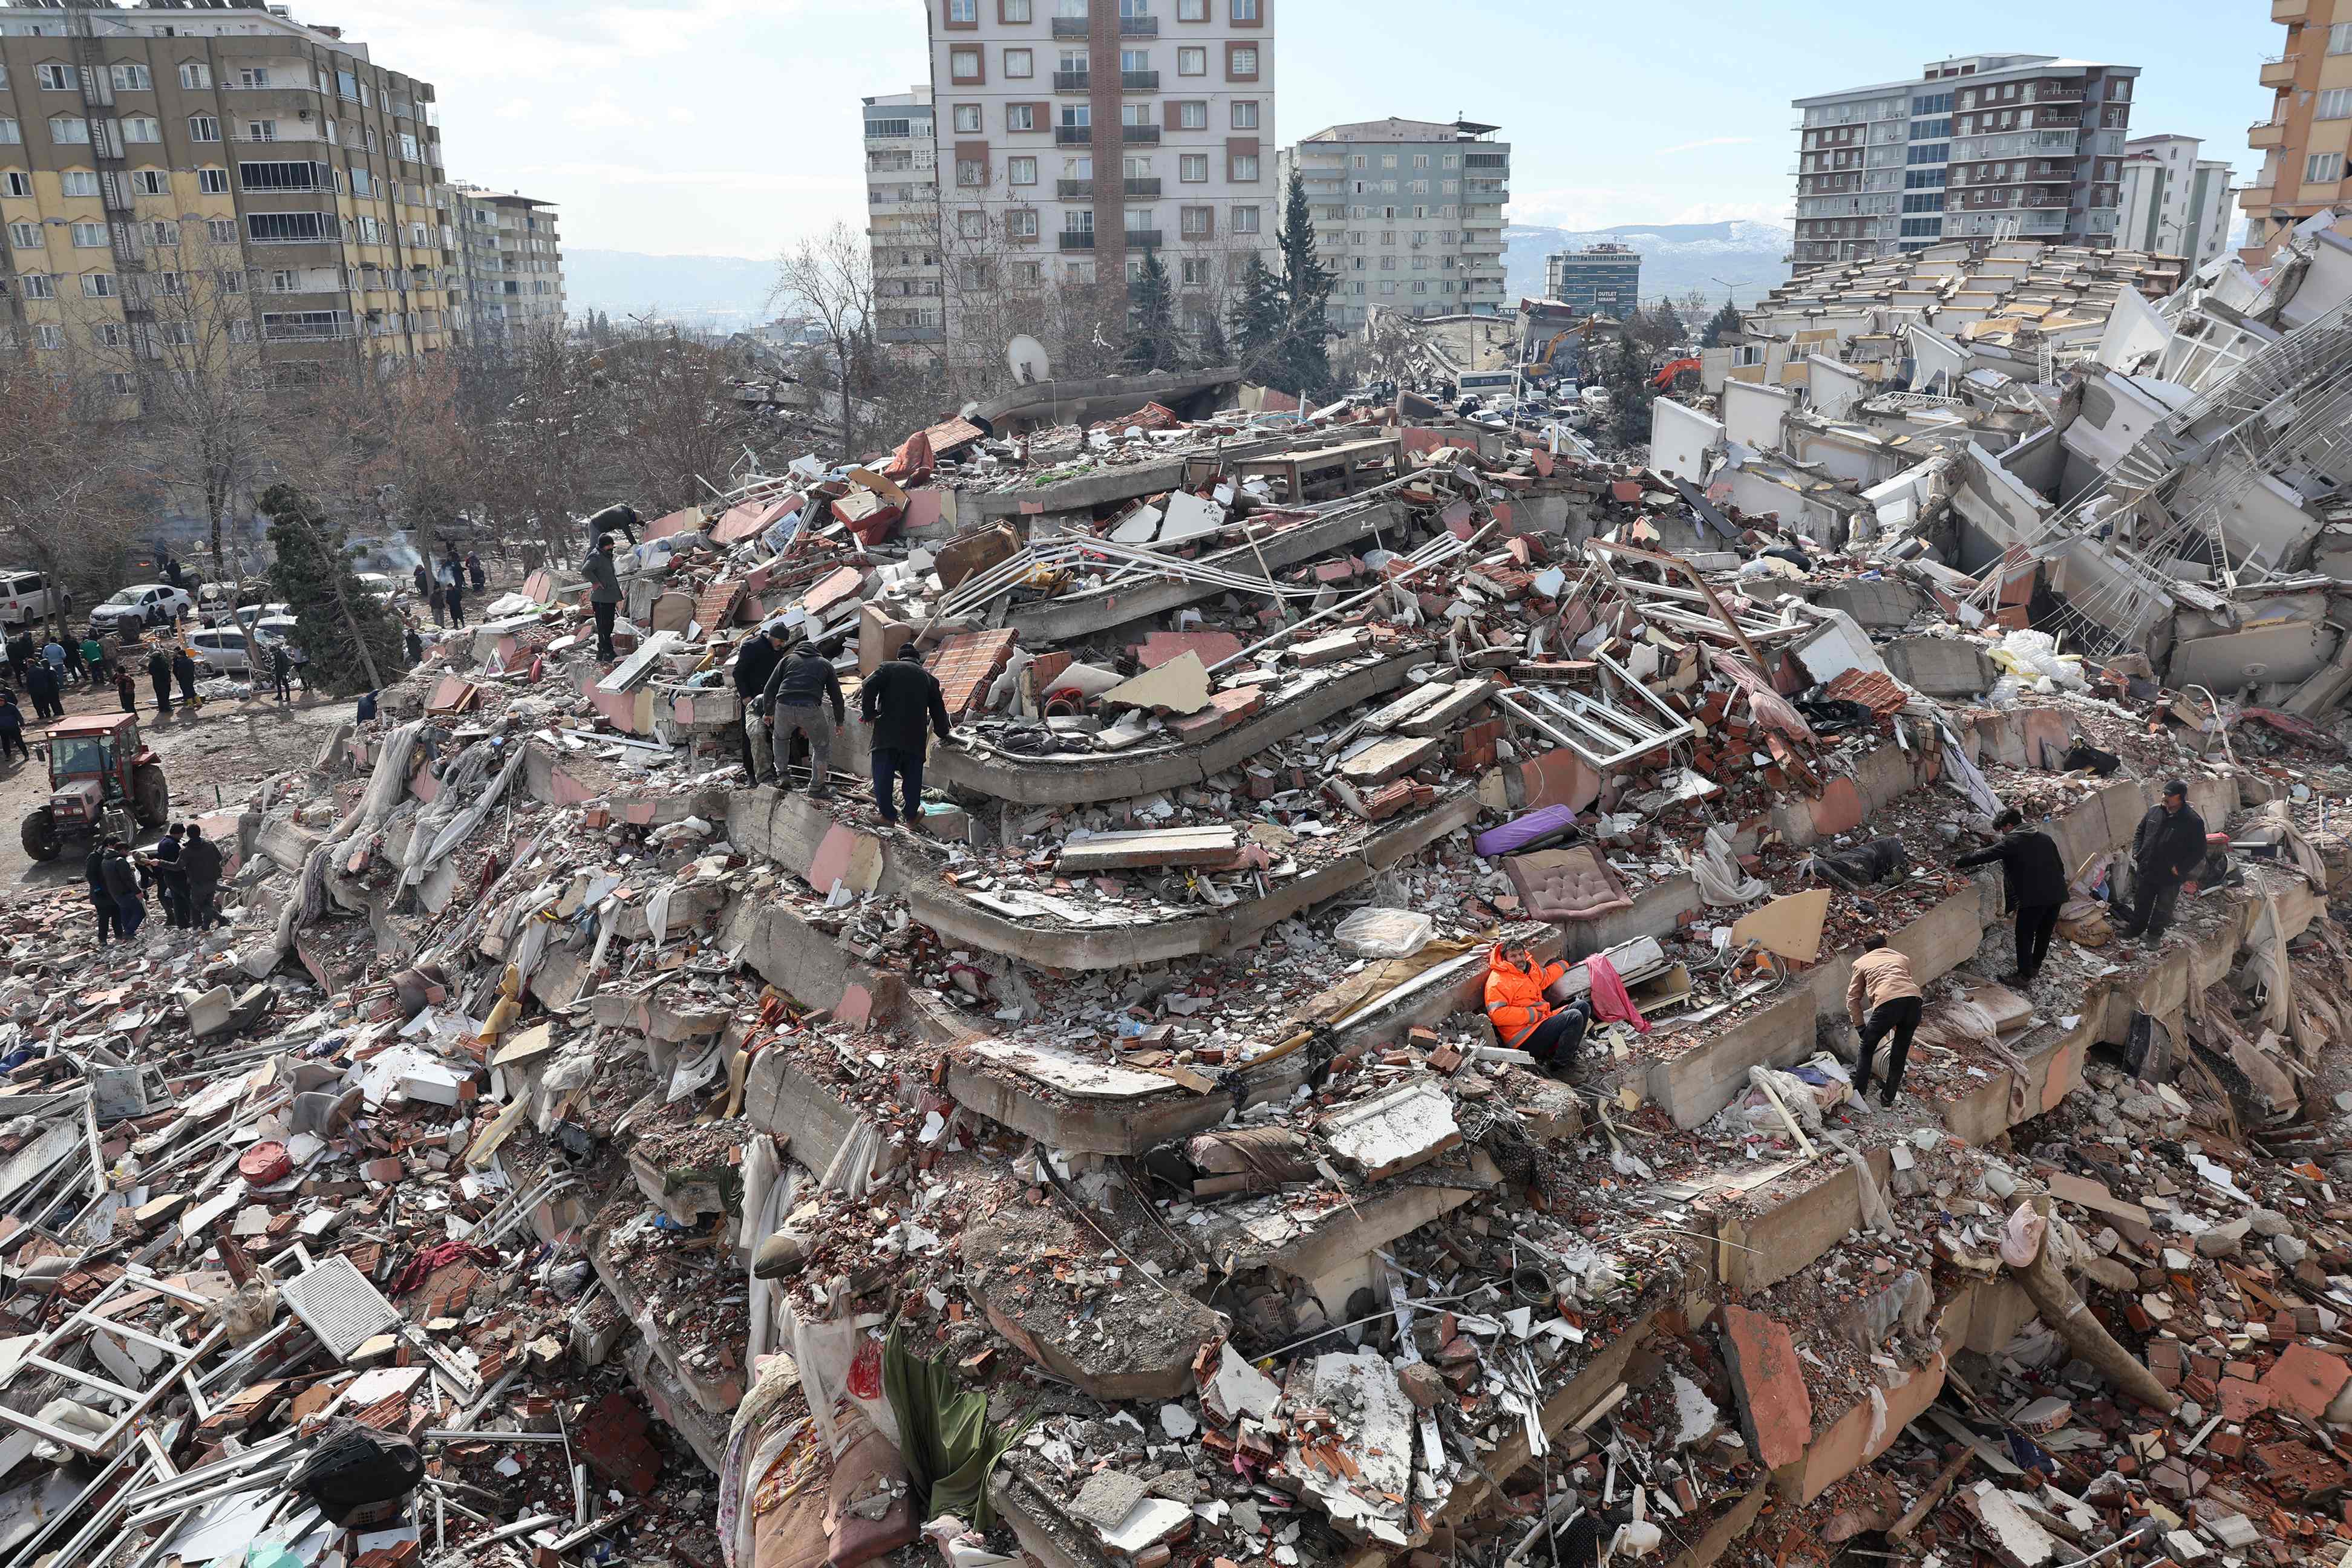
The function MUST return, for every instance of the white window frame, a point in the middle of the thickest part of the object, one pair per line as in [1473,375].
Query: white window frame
[1187,163]
[1021,223]
[965,126]
[143,130]
[1014,166]
[1020,64]
[1192,59]
[1193,116]
[262,131]
[1242,168]
[1245,10]
[2333,103]
[101,286]
[63,129]
[12,132]
[1026,117]
[1244,114]
[195,76]
[966,52]
[40,286]
[130,77]
[25,236]
[1234,68]
[88,236]
[204,128]
[51,77]
[2332,163]
[212,182]
[1243,220]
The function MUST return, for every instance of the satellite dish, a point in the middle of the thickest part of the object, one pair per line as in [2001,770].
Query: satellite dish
[1026,355]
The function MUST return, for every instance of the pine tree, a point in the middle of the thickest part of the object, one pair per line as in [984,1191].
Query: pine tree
[1725,321]
[1260,318]
[1630,392]
[1209,347]
[1306,286]
[1152,342]
[1668,322]
[351,638]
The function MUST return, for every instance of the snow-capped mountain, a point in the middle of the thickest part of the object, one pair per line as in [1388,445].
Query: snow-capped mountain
[1676,258]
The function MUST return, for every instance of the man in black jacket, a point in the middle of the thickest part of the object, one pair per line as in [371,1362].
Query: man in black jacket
[896,699]
[2165,852]
[754,662]
[159,675]
[200,861]
[122,882]
[102,898]
[793,703]
[2034,876]
[603,593]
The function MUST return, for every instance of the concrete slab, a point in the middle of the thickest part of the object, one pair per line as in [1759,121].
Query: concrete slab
[1776,1408]
[1939,667]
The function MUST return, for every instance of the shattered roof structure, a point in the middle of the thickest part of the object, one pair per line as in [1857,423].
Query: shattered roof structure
[1117,1163]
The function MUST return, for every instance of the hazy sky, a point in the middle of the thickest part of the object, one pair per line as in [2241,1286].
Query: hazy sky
[729,127]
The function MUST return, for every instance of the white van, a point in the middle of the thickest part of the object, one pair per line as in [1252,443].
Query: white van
[223,648]
[26,596]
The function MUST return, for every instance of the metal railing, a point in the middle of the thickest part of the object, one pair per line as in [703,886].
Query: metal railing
[1074,190]
[1150,187]
[1072,81]
[1145,134]
[1070,26]
[1138,82]
[1072,135]
[1075,239]
[1143,239]
[1139,27]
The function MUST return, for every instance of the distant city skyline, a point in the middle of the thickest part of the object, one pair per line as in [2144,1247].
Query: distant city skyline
[730,127]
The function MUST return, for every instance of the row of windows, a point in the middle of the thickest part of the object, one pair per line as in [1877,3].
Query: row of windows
[139,129]
[1389,264]
[1932,103]
[1923,180]
[1190,115]
[1018,12]
[197,77]
[1192,169]
[964,64]
[1193,223]
[1932,153]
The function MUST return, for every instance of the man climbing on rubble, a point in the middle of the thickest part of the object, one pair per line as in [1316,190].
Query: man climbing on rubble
[200,862]
[604,593]
[2165,852]
[754,662]
[1523,1019]
[2034,876]
[896,699]
[1882,984]
[794,704]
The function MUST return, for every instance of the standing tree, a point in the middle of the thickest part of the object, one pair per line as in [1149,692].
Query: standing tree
[1667,322]
[1260,321]
[1152,339]
[60,511]
[831,276]
[1306,286]
[673,415]
[1630,392]
[350,638]
[1724,320]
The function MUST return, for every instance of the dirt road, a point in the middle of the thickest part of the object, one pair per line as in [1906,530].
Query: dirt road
[213,756]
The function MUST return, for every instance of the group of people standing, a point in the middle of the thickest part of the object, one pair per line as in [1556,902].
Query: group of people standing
[443,584]
[48,665]
[790,688]
[184,868]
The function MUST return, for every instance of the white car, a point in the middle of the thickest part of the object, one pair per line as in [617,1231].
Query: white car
[222,648]
[26,598]
[271,630]
[138,607]
[380,587]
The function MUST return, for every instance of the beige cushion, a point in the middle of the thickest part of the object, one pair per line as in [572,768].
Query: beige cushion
[1574,884]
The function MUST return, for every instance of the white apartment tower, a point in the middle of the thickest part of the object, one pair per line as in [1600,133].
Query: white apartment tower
[1408,213]
[2175,203]
[902,217]
[1075,135]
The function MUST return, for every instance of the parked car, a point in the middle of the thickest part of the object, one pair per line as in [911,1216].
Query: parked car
[222,649]
[271,630]
[26,598]
[248,615]
[138,607]
[381,588]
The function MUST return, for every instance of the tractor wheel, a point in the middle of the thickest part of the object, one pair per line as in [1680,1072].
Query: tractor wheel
[40,834]
[151,797]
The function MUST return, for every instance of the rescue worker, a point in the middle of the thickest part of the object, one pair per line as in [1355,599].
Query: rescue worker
[163,863]
[754,662]
[2033,878]
[2167,850]
[1882,982]
[794,704]
[1523,1019]
[895,701]
[604,593]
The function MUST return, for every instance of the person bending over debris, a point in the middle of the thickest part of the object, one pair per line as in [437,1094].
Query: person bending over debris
[1882,979]
[793,703]
[896,699]
[603,593]
[2034,878]
[754,662]
[2167,850]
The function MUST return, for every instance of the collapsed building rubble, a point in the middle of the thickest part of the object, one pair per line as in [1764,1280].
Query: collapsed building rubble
[574,1149]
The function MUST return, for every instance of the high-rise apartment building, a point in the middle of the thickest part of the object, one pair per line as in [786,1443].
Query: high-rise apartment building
[1408,213]
[1601,279]
[1075,136]
[511,260]
[160,153]
[902,217]
[2307,134]
[2174,203]
[2008,146]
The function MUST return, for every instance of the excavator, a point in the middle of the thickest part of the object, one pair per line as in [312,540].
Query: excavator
[1677,374]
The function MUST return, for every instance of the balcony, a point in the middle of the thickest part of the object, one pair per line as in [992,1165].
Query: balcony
[2290,10]
[2266,133]
[2279,70]
[1074,190]
[911,334]
[1070,26]
[1138,82]
[1139,27]
[1143,239]
[2257,198]
[1074,240]
[1148,135]
[1072,81]
[1072,135]
[1150,187]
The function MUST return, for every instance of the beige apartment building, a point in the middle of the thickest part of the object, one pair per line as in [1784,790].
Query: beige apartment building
[902,221]
[2307,134]
[157,154]
[1075,136]
[509,261]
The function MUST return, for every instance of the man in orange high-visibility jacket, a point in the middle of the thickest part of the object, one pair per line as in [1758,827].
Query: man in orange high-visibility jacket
[1523,1020]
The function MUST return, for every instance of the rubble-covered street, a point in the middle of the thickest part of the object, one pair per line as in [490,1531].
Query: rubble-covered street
[574,1148]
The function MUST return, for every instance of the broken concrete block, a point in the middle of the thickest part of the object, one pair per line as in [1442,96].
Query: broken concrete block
[1179,686]
[1395,1132]
[1776,1410]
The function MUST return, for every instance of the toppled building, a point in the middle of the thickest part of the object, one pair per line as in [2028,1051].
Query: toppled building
[1136,1176]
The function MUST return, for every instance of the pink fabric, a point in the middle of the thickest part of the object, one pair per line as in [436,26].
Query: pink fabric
[1611,1001]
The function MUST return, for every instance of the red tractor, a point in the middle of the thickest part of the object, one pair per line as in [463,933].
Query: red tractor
[102,782]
